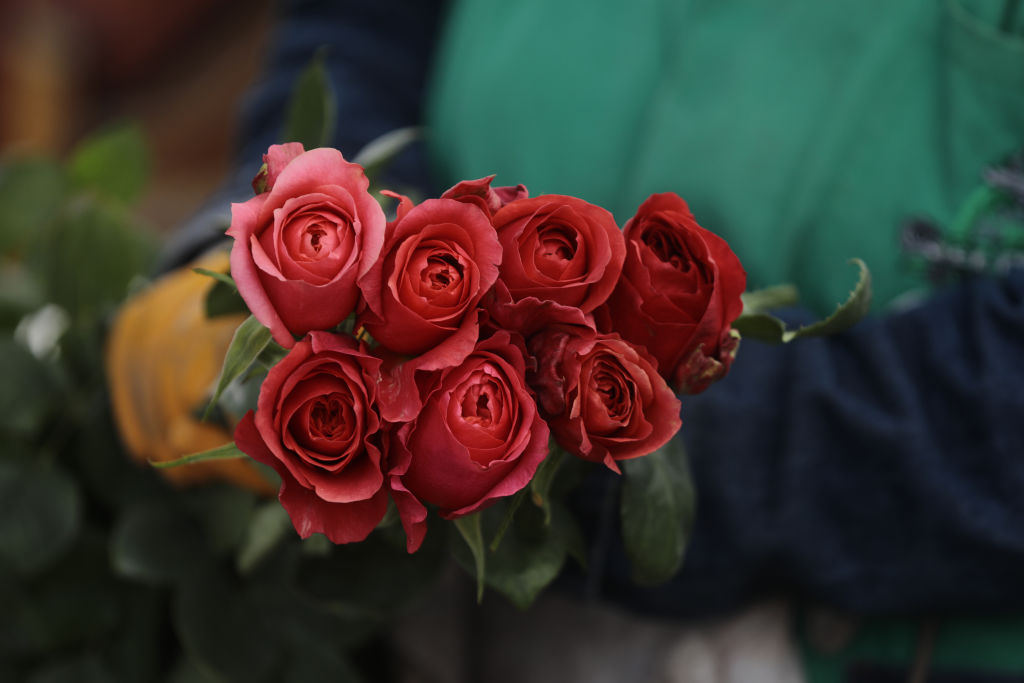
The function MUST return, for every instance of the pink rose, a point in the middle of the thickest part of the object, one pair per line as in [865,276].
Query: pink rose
[300,246]
[316,424]
[603,396]
[478,438]
[679,294]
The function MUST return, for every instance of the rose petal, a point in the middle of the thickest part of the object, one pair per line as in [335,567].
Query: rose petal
[340,522]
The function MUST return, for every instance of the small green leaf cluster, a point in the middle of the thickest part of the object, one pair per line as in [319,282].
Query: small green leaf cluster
[757,323]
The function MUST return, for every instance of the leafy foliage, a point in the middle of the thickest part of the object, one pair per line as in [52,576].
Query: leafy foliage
[106,571]
[311,110]
[249,342]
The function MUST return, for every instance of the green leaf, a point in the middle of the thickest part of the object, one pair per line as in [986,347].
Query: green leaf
[187,671]
[223,512]
[228,451]
[40,515]
[89,255]
[31,193]
[312,106]
[378,154]
[224,299]
[155,543]
[20,293]
[249,341]
[540,485]
[104,472]
[137,652]
[272,355]
[222,278]
[267,527]
[529,558]
[767,328]
[85,668]
[657,507]
[532,554]
[766,299]
[113,163]
[72,603]
[316,643]
[470,529]
[763,327]
[510,512]
[29,392]
[371,579]
[223,629]
[324,663]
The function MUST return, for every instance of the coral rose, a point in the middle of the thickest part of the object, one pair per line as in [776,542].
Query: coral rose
[300,246]
[478,438]
[560,249]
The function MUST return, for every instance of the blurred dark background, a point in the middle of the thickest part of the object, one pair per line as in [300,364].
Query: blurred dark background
[179,69]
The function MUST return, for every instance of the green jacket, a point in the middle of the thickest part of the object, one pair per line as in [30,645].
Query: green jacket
[804,132]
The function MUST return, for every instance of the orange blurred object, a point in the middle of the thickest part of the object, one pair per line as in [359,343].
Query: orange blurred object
[163,356]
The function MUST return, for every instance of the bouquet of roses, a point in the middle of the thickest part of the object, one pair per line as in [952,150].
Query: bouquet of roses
[431,359]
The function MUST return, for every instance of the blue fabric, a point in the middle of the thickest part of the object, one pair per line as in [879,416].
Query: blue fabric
[880,470]
[378,53]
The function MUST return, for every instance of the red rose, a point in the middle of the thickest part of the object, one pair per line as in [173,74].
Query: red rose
[478,438]
[439,258]
[604,397]
[480,193]
[300,246]
[559,249]
[317,426]
[679,294]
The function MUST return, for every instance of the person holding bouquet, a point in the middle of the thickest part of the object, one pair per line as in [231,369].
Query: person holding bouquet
[877,472]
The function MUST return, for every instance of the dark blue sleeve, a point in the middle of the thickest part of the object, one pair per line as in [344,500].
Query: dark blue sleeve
[378,53]
[880,471]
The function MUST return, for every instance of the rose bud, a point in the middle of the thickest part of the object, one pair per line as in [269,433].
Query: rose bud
[300,246]
[478,438]
[603,396]
[560,249]
[679,294]
[274,161]
[480,193]
[316,424]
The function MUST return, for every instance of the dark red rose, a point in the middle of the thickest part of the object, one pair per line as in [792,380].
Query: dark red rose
[559,249]
[480,193]
[478,438]
[300,246]
[603,396]
[679,294]
[316,424]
